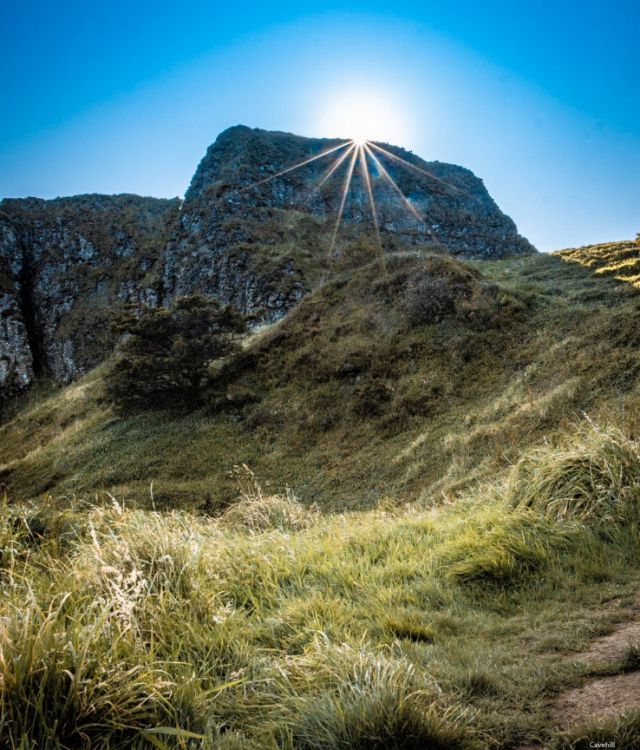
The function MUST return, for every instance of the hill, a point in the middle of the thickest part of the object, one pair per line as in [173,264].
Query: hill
[405,382]
[431,545]
[251,232]
[404,516]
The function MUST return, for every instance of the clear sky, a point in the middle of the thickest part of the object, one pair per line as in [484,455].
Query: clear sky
[540,99]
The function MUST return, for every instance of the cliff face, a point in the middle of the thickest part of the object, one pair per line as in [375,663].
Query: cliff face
[16,358]
[69,264]
[277,230]
[245,234]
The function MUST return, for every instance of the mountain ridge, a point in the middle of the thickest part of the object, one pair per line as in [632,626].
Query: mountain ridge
[244,234]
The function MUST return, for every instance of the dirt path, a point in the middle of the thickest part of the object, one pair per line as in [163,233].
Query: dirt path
[599,699]
[614,646]
[605,697]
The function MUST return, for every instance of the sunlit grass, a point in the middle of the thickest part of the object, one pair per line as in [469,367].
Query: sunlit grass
[279,627]
[618,259]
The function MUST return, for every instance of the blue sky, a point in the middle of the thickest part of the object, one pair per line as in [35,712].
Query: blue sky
[540,99]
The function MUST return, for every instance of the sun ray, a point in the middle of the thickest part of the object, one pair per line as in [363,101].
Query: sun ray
[367,181]
[299,164]
[402,196]
[419,169]
[345,192]
[332,169]
[357,150]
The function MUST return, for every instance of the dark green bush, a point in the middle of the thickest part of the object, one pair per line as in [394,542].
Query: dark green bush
[164,359]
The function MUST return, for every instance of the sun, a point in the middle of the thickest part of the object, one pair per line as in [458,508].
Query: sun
[359,123]
[362,116]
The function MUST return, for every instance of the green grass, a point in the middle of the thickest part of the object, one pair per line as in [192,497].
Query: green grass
[624,732]
[381,628]
[389,538]
[595,478]
[349,400]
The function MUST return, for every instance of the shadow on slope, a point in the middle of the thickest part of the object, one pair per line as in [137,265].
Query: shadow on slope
[408,383]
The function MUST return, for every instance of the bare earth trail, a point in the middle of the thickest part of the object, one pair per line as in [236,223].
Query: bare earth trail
[605,697]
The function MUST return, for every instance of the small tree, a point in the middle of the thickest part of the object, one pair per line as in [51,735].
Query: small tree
[164,358]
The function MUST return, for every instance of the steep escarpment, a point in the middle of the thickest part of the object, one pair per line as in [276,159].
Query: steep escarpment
[16,351]
[252,232]
[68,265]
[247,210]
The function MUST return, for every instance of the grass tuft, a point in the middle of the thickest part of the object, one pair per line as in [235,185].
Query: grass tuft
[592,476]
[66,680]
[410,626]
[256,511]
[501,547]
[380,705]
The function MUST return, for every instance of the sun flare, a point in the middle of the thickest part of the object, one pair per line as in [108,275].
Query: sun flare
[362,116]
[359,123]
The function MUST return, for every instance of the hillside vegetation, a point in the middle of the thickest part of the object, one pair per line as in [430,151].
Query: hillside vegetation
[405,383]
[395,527]
[277,627]
[618,259]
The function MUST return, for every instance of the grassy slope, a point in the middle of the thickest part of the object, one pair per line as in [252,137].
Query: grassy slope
[392,626]
[618,259]
[349,403]
[276,627]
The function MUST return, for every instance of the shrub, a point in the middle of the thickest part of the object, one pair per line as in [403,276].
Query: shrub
[443,287]
[435,288]
[429,300]
[164,359]
[592,477]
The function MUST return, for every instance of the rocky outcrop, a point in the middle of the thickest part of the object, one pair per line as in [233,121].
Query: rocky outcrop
[16,358]
[71,264]
[250,232]
[261,243]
